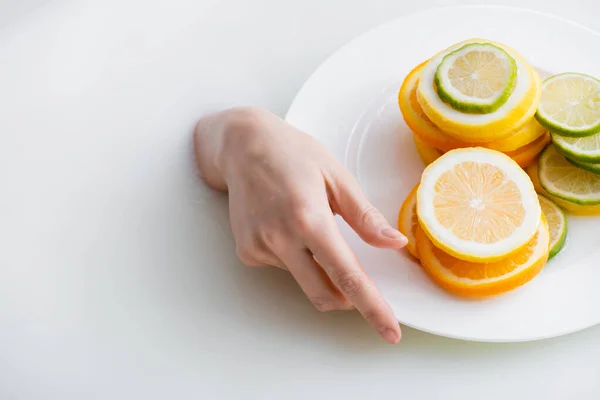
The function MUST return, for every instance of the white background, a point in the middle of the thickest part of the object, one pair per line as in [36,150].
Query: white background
[80,318]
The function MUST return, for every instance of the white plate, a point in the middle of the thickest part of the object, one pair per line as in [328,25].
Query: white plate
[350,104]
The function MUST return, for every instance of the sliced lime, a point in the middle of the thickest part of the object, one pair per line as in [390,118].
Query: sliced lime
[562,179]
[584,149]
[477,78]
[570,105]
[557,222]
[593,168]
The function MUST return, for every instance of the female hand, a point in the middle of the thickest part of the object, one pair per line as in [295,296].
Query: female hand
[284,190]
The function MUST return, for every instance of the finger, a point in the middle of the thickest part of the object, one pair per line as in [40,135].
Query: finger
[314,282]
[350,202]
[342,267]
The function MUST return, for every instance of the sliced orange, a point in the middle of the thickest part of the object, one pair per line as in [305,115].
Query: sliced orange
[477,204]
[528,154]
[576,209]
[407,221]
[433,136]
[474,279]
[427,154]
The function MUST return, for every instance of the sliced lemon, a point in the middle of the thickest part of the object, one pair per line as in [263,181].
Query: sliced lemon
[562,179]
[584,149]
[408,222]
[431,135]
[574,208]
[498,125]
[474,279]
[570,105]
[528,154]
[477,78]
[557,222]
[477,204]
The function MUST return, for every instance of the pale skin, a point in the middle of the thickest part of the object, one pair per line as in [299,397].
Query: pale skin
[284,190]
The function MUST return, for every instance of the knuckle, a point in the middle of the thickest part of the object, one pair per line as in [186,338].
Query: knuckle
[307,219]
[368,215]
[325,303]
[351,283]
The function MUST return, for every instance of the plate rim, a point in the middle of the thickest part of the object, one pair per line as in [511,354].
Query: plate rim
[421,13]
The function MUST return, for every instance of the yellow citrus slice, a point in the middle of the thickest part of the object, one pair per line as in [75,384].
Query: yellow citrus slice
[477,204]
[473,279]
[528,154]
[416,119]
[408,222]
[498,125]
[427,154]
[573,208]
[433,136]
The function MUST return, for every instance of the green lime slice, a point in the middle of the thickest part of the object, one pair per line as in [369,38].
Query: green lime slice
[557,221]
[564,180]
[593,168]
[570,105]
[477,78]
[583,149]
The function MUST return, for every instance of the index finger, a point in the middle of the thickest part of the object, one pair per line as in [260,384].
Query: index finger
[342,267]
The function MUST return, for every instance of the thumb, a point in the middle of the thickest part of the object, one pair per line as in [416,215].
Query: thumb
[351,204]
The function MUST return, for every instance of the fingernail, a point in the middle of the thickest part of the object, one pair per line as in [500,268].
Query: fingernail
[389,335]
[393,234]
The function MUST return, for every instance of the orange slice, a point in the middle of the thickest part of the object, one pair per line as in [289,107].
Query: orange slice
[408,222]
[427,154]
[477,204]
[433,136]
[474,279]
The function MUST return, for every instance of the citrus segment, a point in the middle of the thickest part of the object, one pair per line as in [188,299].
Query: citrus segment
[474,279]
[477,204]
[408,222]
[476,78]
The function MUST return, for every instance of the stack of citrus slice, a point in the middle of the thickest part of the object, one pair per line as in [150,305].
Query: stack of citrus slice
[475,93]
[476,223]
[569,170]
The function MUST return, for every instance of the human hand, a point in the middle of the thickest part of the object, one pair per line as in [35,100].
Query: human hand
[284,190]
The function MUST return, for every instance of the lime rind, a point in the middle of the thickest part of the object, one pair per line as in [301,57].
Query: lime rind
[562,129]
[583,149]
[460,101]
[555,169]
[557,240]
[593,168]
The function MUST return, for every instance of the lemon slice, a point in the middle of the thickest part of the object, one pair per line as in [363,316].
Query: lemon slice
[557,222]
[481,128]
[562,179]
[475,279]
[431,135]
[408,222]
[528,154]
[584,149]
[477,78]
[427,154]
[570,105]
[477,204]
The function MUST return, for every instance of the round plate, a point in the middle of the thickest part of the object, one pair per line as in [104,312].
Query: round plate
[350,105]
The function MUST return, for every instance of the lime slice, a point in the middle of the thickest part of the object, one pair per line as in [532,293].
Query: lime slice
[593,168]
[562,179]
[557,222]
[584,149]
[477,78]
[570,105]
